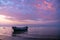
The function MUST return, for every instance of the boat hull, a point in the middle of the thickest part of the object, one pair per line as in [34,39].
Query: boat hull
[17,29]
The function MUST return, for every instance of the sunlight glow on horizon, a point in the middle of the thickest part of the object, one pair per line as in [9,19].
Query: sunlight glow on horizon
[3,19]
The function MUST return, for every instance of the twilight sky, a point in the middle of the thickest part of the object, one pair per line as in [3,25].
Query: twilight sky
[28,11]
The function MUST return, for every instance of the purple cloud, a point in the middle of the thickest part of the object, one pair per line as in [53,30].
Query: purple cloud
[29,10]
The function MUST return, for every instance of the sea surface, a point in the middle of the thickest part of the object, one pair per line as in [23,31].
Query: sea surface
[33,33]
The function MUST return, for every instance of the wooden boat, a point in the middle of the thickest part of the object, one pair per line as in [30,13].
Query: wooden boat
[20,29]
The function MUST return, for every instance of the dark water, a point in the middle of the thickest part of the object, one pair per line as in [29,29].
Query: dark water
[33,33]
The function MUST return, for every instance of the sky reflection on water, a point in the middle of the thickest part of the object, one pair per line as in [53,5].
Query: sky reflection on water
[32,32]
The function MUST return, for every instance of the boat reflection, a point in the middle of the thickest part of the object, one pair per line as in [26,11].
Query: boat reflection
[19,30]
[14,33]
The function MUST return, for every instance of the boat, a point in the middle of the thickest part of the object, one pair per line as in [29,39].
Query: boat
[19,29]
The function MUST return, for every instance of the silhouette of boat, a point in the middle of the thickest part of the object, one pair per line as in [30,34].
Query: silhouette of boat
[20,29]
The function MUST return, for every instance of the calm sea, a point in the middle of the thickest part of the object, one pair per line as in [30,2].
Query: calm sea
[33,33]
